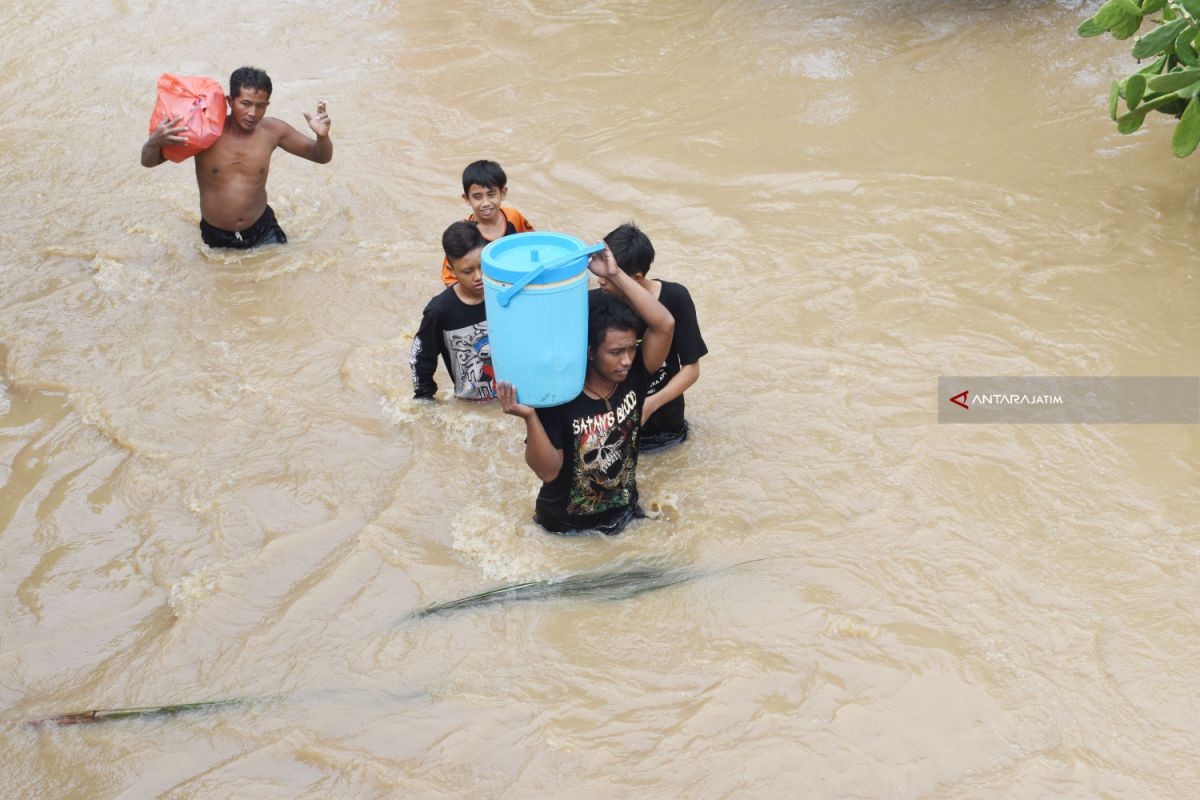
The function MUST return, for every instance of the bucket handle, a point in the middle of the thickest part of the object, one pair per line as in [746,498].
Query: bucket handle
[505,297]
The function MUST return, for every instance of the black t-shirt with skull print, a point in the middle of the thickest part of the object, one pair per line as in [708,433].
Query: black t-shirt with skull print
[598,479]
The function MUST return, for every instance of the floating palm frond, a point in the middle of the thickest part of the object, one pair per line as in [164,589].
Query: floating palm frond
[141,712]
[620,584]
[600,584]
[153,712]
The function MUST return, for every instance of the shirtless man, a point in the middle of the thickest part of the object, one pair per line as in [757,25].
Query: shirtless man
[232,174]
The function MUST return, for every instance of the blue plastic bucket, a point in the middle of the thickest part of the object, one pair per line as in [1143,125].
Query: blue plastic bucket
[538,331]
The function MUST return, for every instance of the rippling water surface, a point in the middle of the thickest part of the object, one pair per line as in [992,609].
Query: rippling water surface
[215,485]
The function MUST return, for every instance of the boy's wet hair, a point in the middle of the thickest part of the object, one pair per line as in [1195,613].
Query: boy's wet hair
[461,238]
[249,78]
[631,248]
[607,313]
[487,174]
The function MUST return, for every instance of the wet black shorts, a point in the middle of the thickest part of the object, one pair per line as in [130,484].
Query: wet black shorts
[265,230]
[663,440]
[610,528]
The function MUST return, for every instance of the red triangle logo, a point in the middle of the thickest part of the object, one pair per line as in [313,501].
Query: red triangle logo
[960,399]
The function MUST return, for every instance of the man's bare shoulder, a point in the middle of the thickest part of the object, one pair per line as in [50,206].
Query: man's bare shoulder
[275,127]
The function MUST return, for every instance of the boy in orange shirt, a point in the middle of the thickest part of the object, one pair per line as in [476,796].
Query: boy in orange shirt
[484,188]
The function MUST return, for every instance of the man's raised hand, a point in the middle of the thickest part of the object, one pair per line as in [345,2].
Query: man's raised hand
[603,264]
[320,121]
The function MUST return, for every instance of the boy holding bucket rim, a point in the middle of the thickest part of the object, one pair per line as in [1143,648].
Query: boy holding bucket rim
[585,451]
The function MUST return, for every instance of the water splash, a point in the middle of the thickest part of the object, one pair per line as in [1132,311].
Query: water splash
[191,591]
[122,281]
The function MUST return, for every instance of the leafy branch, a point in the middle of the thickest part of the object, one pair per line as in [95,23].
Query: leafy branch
[1171,83]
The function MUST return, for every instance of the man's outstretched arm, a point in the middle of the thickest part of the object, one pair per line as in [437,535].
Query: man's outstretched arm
[167,133]
[296,143]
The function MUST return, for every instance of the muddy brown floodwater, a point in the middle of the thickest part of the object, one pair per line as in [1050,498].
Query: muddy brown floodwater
[215,485]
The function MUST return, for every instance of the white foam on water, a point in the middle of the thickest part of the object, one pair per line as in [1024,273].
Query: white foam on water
[123,280]
[400,413]
[384,367]
[827,64]
[1091,79]
[190,591]
[662,506]
[205,491]
[510,546]
[831,113]
[92,411]
[478,427]
[504,548]
[401,410]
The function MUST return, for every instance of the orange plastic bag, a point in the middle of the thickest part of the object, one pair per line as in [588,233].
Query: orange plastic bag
[201,103]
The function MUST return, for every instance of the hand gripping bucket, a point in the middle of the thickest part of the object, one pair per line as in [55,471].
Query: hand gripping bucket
[535,293]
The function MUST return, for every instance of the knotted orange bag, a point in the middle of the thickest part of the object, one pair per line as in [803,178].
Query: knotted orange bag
[201,103]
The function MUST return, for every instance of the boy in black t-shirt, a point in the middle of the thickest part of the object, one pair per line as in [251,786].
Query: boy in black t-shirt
[455,324]
[585,451]
[663,422]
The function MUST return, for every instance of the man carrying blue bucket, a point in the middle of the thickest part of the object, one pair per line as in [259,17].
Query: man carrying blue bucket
[585,451]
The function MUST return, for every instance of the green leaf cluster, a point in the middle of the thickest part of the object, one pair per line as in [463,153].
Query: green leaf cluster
[1170,84]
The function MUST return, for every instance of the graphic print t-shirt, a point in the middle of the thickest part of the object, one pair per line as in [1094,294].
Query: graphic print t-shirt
[598,479]
[459,332]
[687,347]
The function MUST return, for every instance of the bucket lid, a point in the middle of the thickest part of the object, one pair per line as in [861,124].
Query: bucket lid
[509,258]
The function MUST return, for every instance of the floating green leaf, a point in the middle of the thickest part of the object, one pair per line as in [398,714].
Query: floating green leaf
[1167,80]
[1131,122]
[1187,132]
[1126,27]
[1169,103]
[1108,14]
[1135,87]
[1172,81]
[1113,16]
[1187,54]
[1158,39]
[1154,67]
[1089,27]
[1185,38]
